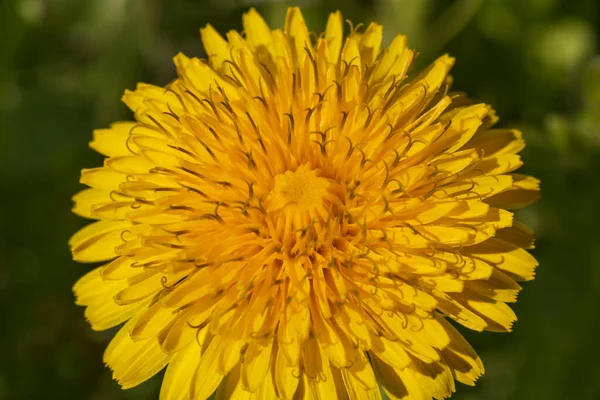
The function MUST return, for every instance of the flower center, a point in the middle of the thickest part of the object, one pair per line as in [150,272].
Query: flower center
[303,189]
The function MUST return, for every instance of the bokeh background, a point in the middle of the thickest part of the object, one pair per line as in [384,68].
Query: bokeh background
[65,63]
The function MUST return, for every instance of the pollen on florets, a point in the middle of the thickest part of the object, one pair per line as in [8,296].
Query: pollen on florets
[303,189]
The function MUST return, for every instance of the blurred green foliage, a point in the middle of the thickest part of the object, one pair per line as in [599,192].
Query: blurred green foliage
[65,63]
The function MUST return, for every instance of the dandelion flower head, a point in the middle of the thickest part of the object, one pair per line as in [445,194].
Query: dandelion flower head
[300,217]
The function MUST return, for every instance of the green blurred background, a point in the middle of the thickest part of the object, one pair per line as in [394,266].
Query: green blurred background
[65,63]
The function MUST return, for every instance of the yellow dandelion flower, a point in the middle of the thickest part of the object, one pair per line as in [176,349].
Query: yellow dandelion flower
[299,217]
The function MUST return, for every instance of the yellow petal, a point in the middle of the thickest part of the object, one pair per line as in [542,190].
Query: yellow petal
[507,257]
[477,188]
[352,323]
[120,268]
[135,165]
[498,316]
[184,331]
[317,370]
[457,311]
[201,77]
[524,191]
[133,362]
[336,348]
[296,29]
[97,241]
[97,295]
[370,43]
[303,392]
[266,391]
[149,282]
[215,46]
[391,353]
[334,35]
[409,338]
[518,234]
[230,355]
[420,381]
[87,199]
[458,234]
[145,97]
[356,389]
[231,388]
[177,380]
[464,123]
[395,61]
[497,142]
[499,287]
[451,164]
[113,141]
[431,380]
[391,382]
[207,376]
[102,178]
[257,31]
[257,361]
[460,357]
[340,387]
[500,164]
[446,283]
[350,52]
[286,377]
[361,374]
[152,321]
[469,209]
